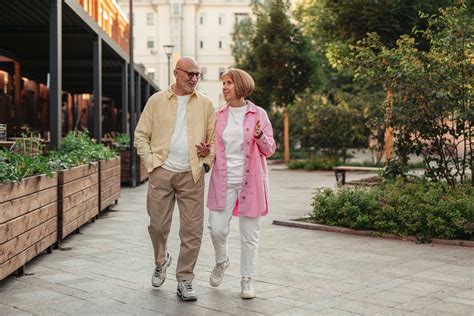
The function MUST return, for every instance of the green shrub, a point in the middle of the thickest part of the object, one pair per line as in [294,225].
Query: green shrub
[122,142]
[317,163]
[78,148]
[16,166]
[419,208]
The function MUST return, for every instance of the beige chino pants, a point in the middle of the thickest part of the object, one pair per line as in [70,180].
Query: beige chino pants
[164,189]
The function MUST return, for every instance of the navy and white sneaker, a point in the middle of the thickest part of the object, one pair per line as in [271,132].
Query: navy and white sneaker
[159,274]
[186,292]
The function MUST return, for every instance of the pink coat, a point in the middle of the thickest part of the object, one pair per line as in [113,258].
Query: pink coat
[253,199]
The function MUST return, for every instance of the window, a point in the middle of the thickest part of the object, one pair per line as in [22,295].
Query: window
[176,9]
[204,73]
[150,44]
[149,18]
[220,44]
[151,73]
[221,72]
[201,44]
[240,16]
[221,19]
[202,19]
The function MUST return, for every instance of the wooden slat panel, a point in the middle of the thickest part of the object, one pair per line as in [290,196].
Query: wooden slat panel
[78,222]
[13,190]
[19,225]
[109,163]
[13,247]
[77,185]
[109,173]
[115,189]
[79,210]
[65,176]
[19,260]
[109,201]
[77,198]
[26,204]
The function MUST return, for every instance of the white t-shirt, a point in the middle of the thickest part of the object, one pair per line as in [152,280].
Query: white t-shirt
[233,137]
[178,154]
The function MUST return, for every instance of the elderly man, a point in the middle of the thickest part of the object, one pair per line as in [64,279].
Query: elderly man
[175,139]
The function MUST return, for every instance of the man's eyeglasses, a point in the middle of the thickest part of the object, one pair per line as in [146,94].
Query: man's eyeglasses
[191,74]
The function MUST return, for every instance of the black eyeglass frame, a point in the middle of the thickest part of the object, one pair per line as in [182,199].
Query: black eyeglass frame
[191,74]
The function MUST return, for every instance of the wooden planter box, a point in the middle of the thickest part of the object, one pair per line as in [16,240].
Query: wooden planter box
[28,221]
[78,197]
[109,181]
[142,174]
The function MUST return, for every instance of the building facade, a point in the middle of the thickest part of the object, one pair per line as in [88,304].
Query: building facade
[198,28]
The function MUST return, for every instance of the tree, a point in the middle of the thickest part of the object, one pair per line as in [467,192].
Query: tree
[430,104]
[278,59]
[334,25]
[328,125]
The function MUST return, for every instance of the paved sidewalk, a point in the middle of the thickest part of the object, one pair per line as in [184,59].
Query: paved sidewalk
[106,269]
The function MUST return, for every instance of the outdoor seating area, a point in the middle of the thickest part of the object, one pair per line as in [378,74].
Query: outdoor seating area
[58,60]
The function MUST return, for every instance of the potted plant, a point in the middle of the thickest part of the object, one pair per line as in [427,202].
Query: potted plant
[78,180]
[28,209]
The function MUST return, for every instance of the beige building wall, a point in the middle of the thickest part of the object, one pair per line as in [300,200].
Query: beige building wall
[198,28]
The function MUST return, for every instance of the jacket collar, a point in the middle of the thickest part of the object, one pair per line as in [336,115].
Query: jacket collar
[250,107]
[170,93]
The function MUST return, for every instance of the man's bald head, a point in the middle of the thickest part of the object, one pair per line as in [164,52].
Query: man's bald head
[187,74]
[186,62]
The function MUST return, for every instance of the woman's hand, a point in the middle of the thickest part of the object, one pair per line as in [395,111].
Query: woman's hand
[258,130]
[203,149]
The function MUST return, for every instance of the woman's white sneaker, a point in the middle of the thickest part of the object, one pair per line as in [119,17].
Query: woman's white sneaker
[217,275]
[159,274]
[246,288]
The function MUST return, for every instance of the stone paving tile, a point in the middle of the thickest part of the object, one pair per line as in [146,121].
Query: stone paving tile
[262,306]
[417,304]
[366,308]
[8,310]
[452,308]
[106,269]
[241,312]
[335,312]
[330,302]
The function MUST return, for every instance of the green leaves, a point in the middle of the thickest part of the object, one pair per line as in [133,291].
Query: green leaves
[278,56]
[122,142]
[419,208]
[16,166]
[78,148]
[428,94]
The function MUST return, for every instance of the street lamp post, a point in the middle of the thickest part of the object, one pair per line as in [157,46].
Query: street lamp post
[168,51]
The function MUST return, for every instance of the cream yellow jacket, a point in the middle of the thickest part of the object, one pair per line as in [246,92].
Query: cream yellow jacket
[156,125]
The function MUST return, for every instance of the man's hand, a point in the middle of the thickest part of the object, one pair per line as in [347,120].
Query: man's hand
[203,149]
[258,130]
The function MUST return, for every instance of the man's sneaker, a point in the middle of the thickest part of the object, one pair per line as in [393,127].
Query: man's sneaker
[186,291]
[246,288]
[159,275]
[217,274]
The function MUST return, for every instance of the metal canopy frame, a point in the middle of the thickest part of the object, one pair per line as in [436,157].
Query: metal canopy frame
[57,39]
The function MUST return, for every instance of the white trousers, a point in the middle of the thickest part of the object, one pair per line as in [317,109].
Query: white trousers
[219,225]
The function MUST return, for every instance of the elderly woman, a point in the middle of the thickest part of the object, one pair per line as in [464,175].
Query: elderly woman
[239,179]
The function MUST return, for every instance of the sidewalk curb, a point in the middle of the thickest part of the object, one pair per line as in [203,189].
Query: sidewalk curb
[344,230]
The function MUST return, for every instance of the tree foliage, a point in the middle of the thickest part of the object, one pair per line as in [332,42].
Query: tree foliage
[431,113]
[278,55]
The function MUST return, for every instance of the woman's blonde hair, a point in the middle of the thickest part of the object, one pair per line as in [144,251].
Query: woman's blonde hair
[243,82]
